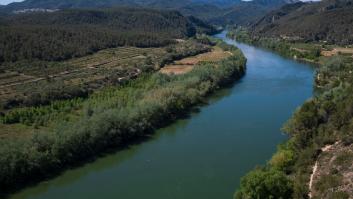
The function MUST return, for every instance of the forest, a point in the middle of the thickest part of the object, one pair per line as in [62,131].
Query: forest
[74,33]
[69,131]
[328,21]
[323,120]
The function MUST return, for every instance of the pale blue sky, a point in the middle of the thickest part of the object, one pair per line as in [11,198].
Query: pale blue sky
[4,2]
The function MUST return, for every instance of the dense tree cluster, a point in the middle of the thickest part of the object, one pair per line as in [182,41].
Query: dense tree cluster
[73,33]
[55,43]
[262,183]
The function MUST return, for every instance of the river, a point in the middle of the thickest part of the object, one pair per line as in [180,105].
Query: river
[203,156]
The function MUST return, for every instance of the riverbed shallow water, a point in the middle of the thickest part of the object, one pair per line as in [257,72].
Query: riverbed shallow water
[205,155]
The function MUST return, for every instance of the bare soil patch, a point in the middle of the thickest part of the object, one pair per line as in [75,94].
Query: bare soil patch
[335,51]
[332,175]
[187,64]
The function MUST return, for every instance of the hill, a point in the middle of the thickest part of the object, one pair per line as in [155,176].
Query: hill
[220,12]
[65,4]
[329,20]
[73,33]
[243,14]
[238,13]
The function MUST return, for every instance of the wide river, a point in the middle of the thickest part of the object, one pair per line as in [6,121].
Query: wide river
[203,156]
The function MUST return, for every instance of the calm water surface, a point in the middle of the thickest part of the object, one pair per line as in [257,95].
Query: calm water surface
[205,155]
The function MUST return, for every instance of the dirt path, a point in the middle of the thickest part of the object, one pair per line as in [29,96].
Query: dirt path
[315,168]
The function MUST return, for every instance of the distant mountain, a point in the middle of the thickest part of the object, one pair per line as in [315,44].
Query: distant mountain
[220,12]
[170,4]
[329,20]
[65,4]
[219,3]
[175,4]
[240,12]
[203,11]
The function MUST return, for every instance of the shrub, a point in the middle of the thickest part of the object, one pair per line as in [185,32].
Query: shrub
[262,183]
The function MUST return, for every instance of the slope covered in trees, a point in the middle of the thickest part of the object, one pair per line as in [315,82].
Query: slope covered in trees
[238,13]
[220,12]
[328,20]
[65,4]
[73,33]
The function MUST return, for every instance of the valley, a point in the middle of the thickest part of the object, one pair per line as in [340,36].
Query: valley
[176,99]
[205,149]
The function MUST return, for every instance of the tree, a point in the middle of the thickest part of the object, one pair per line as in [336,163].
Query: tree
[261,184]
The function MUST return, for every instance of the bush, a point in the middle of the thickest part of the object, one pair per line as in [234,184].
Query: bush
[261,184]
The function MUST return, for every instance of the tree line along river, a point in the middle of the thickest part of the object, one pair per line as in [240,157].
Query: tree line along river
[205,155]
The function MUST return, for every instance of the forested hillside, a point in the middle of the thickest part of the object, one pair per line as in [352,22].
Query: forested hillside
[73,33]
[220,12]
[328,20]
[239,13]
[243,14]
[65,4]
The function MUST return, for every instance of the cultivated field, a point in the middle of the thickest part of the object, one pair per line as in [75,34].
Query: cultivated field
[33,82]
[187,64]
[95,71]
[335,51]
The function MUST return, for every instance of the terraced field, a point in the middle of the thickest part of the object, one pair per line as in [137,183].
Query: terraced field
[95,71]
[31,82]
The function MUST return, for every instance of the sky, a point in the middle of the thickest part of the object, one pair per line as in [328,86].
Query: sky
[5,2]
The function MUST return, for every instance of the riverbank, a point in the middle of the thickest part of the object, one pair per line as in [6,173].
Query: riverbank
[321,121]
[109,119]
[204,149]
[303,52]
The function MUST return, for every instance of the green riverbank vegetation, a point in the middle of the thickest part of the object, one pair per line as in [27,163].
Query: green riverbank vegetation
[325,119]
[66,132]
[308,52]
[33,83]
